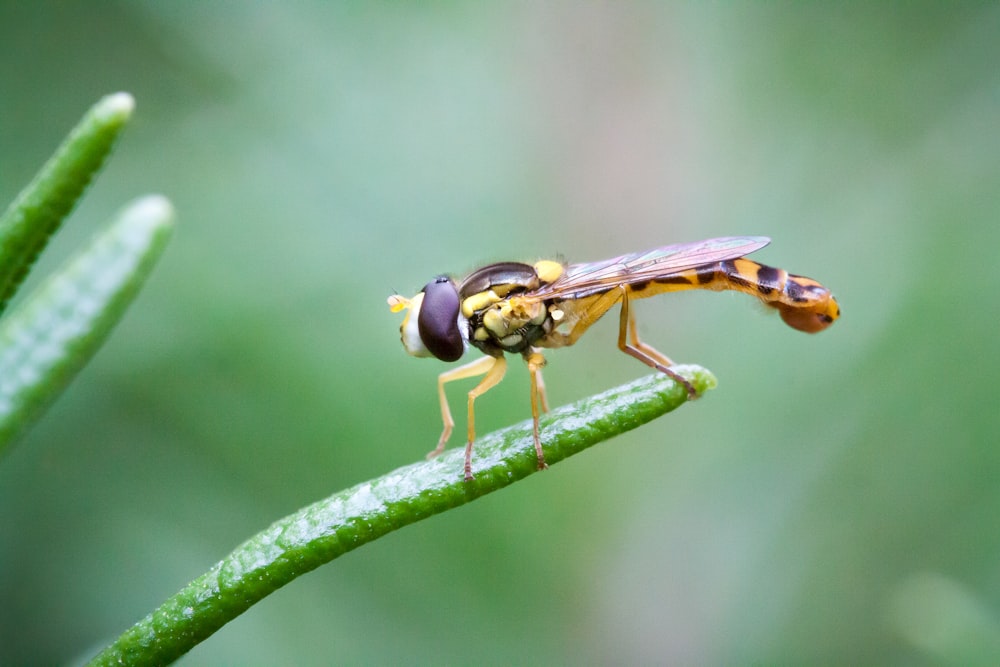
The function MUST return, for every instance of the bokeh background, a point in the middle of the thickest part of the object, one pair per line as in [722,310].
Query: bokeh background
[835,501]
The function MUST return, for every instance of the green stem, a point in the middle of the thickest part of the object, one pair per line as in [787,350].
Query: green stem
[56,330]
[346,520]
[30,220]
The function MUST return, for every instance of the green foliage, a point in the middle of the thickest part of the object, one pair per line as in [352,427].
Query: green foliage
[52,334]
[320,532]
[36,214]
[49,337]
[834,502]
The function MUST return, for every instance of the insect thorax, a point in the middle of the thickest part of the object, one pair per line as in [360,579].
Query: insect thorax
[511,325]
[500,320]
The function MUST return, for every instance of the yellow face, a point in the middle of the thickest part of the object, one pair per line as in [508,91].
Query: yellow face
[433,325]
[408,332]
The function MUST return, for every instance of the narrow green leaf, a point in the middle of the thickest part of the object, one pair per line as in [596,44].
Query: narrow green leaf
[317,534]
[38,210]
[53,333]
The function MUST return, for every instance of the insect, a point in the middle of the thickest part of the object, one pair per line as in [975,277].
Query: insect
[518,308]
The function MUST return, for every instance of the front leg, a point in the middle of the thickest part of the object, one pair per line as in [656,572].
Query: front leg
[493,376]
[477,367]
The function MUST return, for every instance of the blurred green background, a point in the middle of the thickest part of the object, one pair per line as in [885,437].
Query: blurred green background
[836,500]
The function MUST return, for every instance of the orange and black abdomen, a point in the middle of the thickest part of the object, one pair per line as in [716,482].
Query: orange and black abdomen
[804,304]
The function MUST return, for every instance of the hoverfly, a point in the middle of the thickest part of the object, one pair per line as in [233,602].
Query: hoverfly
[518,308]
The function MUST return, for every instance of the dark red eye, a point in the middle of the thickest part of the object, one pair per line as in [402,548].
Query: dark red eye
[438,320]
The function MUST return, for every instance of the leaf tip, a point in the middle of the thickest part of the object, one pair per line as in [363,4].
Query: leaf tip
[706,381]
[116,106]
[151,211]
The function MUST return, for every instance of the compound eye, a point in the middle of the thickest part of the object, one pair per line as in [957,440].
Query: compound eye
[437,321]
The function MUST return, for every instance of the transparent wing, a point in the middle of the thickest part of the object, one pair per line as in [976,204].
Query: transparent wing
[595,277]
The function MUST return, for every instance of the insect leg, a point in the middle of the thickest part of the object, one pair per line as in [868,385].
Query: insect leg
[587,315]
[643,347]
[641,351]
[494,374]
[535,362]
[542,394]
[477,367]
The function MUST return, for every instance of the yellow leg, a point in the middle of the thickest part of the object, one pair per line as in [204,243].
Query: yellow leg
[492,379]
[641,351]
[480,366]
[638,344]
[586,318]
[535,362]
[542,394]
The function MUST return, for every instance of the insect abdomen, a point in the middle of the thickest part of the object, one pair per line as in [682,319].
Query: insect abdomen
[804,304]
